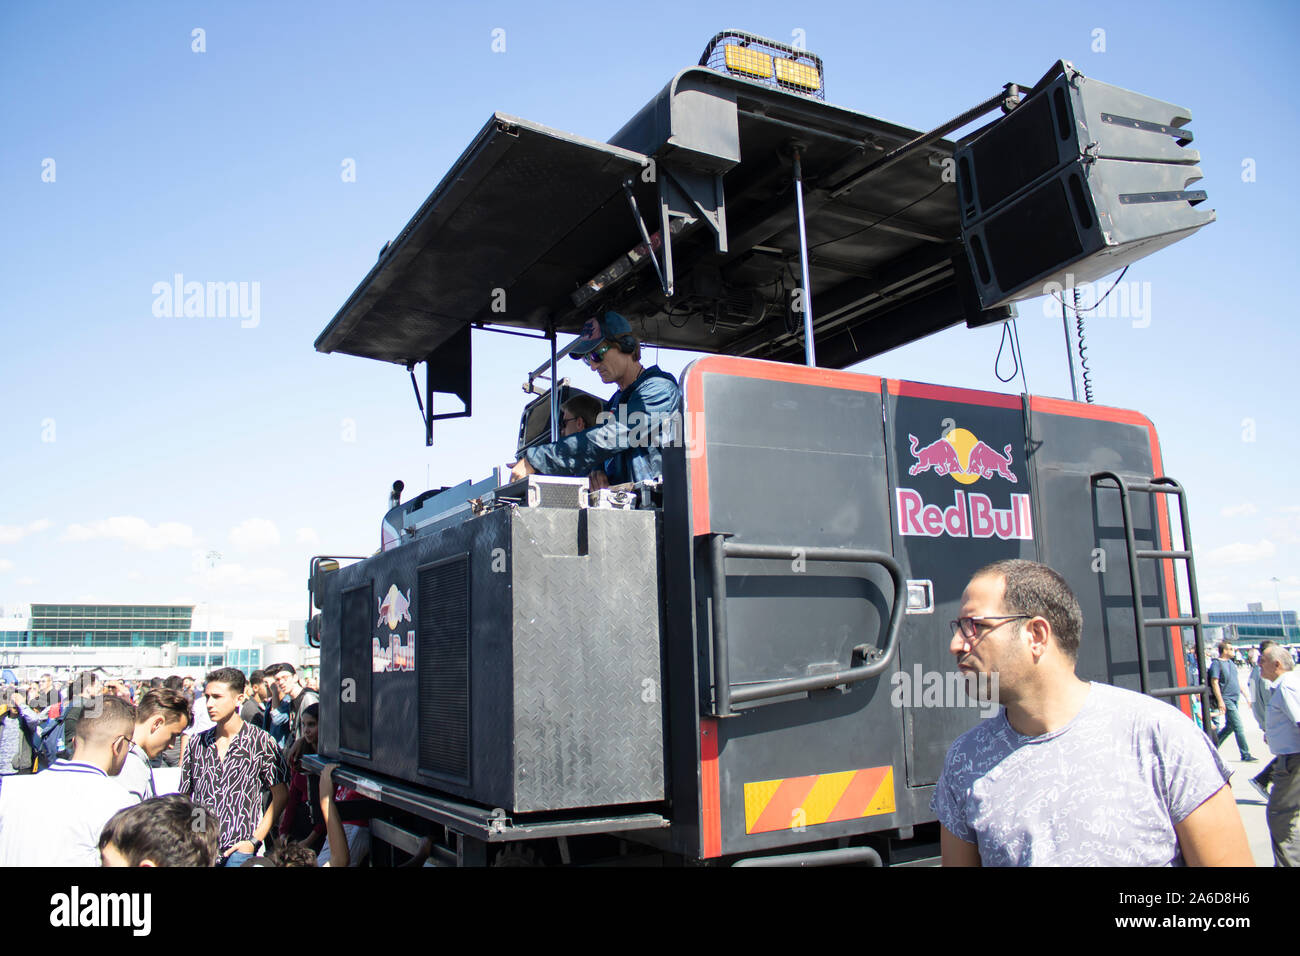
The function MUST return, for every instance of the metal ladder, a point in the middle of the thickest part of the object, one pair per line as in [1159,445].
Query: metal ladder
[1164,486]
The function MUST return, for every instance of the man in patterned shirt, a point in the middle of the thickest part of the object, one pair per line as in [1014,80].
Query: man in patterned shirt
[1071,773]
[227,768]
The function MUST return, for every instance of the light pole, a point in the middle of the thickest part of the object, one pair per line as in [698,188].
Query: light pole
[1281,622]
[214,557]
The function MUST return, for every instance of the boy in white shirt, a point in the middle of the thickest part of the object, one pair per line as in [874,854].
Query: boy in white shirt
[55,817]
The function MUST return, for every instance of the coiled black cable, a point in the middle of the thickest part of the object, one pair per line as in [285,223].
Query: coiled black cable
[1084,372]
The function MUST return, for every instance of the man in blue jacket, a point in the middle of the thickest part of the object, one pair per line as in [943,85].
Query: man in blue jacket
[643,415]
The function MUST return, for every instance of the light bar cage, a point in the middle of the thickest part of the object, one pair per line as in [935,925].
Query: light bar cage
[757,58]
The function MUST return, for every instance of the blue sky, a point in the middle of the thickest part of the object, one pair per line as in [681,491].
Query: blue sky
[135,444]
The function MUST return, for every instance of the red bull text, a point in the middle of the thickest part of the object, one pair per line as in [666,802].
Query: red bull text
[973,517]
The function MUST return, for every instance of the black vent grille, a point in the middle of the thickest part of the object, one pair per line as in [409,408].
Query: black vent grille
[1015,153]
[1033,236]
[355,662]
[442,665]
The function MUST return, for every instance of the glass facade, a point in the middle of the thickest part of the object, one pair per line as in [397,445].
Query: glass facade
[1251,627]
[247,659]
[84,626]
[206,661]
[207,638]
[109,625]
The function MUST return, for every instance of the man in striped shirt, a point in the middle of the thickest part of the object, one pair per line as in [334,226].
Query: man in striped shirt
[54,818]
[226,769]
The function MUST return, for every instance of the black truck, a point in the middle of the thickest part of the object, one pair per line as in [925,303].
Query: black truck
[746,660]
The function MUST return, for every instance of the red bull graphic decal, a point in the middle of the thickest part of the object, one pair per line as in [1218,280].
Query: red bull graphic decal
[394,608]
[939,455]
[966,459]
[973,517]
[963,456]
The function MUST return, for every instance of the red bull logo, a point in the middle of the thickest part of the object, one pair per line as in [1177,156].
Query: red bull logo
[966,459]
[960,454]
[394,607]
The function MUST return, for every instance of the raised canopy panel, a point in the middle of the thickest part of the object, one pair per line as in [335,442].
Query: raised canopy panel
[509,201]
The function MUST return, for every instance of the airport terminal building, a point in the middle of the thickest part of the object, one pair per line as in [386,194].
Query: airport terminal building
[1249,627]
[69,637]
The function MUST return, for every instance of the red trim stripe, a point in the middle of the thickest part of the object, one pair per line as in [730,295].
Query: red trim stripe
[966,396]
[710,790]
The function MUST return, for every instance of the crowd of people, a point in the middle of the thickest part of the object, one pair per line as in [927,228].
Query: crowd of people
[170,772]
[1069,772]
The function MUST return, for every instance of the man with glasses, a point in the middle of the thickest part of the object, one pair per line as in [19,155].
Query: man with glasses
[54,818]
[1071,772]
[638,419]
[580,413]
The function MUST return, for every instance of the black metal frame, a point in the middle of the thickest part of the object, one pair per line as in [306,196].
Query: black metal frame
[313,566]
[1164,486]
[724,695]
[450,360]
[795,53]
[476,822]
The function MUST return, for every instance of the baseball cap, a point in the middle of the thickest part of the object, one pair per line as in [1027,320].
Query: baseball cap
[594,331]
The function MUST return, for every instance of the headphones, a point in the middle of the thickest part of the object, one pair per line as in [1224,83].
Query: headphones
[626,344]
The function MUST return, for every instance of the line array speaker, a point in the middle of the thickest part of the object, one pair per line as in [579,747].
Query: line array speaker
[1081,178]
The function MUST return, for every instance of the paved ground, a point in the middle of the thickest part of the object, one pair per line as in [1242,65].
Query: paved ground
[1248,801]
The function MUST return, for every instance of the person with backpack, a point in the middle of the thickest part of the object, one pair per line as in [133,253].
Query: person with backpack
[19,734]
[85,687]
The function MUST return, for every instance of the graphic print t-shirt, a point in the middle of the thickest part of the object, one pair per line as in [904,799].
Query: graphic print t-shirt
[231,788]
[1104,790]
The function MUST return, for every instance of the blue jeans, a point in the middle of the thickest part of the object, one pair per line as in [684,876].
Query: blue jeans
[237,858]
[1232,725]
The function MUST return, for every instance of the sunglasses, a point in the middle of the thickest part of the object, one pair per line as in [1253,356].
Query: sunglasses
[565,422]
[596,355]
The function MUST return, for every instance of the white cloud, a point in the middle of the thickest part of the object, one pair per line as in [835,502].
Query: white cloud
[1239,511]
[307,536]
[232,576]
[9,533]
[255,534]
[1239,552]
[135,532]
[27,581]
[6,565]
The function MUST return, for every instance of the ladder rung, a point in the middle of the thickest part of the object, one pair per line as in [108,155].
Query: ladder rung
[1164,554]
[1160,489]
[1172,622]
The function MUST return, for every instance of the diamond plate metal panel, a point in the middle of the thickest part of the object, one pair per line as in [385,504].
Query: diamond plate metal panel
[588,724]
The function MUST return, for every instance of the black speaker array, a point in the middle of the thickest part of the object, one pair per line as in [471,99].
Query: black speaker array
[1081,179]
